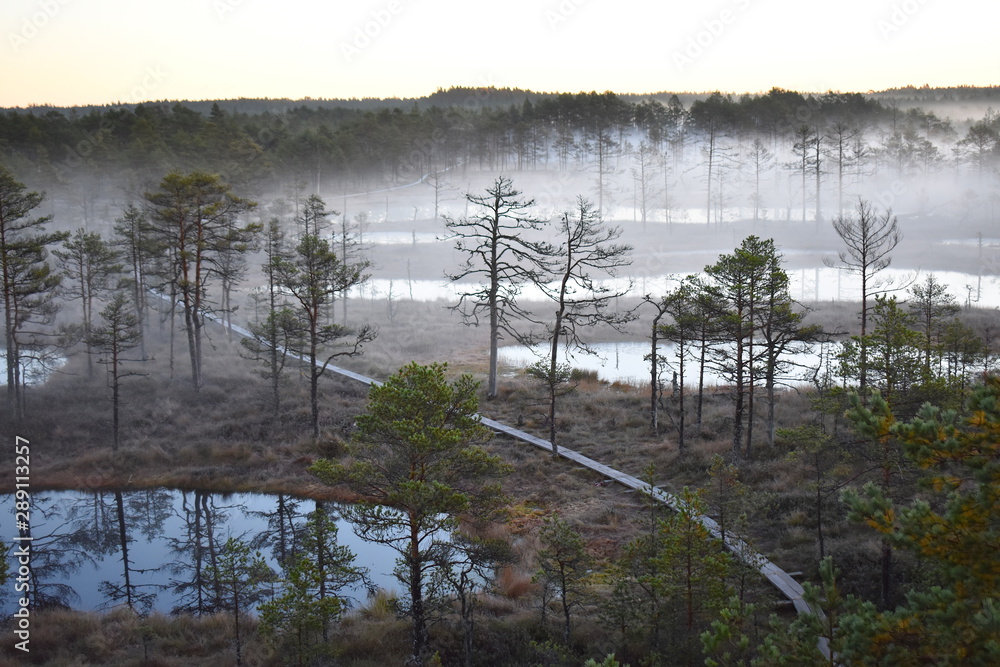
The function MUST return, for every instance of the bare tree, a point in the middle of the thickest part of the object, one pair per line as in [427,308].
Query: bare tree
[761,161]
[587,246]
[803,148]
[817,165]
[656,362]
[645,176]
[600,139]
[710,150]
[235,243]
[839,137]
[870,238]
[441,187]
[350,239]
[498,255]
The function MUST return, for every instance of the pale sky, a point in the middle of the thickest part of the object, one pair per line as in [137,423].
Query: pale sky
[66,52]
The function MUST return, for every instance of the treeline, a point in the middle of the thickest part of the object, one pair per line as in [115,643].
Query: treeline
[347,141]
[776,151]
[464,124]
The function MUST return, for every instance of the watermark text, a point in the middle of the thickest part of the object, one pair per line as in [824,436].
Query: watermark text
[22,550]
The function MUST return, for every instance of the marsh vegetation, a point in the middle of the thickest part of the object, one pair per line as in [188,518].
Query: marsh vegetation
[150,385]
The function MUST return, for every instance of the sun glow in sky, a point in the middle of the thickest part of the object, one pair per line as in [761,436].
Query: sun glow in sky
[67,52]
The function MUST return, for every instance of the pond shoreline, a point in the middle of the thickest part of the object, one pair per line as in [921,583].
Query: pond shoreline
[82,474]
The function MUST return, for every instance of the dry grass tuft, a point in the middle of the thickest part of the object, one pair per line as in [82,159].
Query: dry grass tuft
[513,584]
[121,637]
[378,607]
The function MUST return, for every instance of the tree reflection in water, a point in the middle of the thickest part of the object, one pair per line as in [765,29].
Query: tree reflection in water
[157,548]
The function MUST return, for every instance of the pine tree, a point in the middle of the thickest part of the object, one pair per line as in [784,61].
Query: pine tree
[28,283]
[563,567]
[313,592]
[695,568]
[819,638]
[241,574]
[132,238]
[956,621]
[314,275]
[417,463]
[192,223]
[121,331]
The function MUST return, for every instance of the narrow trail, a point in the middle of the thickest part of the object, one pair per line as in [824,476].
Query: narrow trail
[786,585]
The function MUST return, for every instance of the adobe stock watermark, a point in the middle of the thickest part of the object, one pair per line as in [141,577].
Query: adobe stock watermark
[32,25]
[711,30]
[899,15]
[22,552]
[371,29]
[887,197]
[561,12]
[225,7]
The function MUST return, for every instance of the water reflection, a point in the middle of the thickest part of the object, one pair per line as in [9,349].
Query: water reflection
[157,549]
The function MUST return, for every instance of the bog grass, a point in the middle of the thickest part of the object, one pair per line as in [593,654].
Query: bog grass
[226,438]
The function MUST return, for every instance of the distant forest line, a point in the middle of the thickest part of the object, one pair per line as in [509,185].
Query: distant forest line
[905,96]
[667,145]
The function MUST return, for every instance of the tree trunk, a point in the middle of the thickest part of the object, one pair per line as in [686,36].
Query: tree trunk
[114,396]
[313,381]
[708,194]
[886,579]
[681,443]
[701,380]
[654,384]
[491,390]
[740,396]
[123,538]
[819,213]
[190,328]
[750,394]
[769,388]
[819,515]
[565,605]
[419,639]
[552,379]
[321,560]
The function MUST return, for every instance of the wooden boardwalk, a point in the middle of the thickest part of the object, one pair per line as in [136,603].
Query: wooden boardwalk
[786,585]
[781,580]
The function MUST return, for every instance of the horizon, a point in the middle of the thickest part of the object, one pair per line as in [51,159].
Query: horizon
[512,89]
[67,54]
